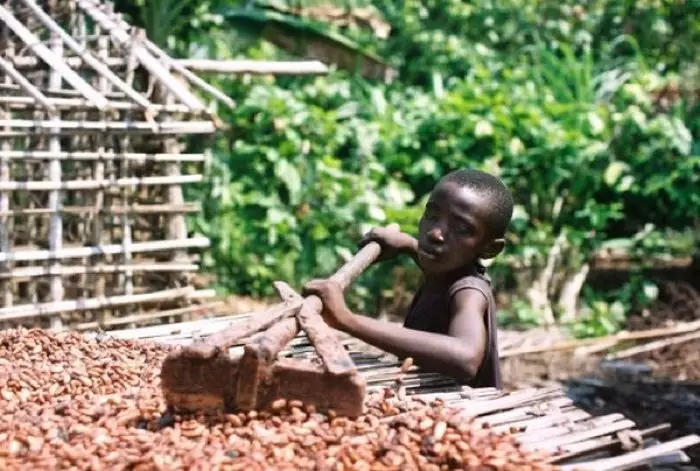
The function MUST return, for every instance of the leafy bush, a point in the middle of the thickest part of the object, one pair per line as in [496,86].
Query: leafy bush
[561,101]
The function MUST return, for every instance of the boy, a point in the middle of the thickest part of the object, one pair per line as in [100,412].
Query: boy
[450,327]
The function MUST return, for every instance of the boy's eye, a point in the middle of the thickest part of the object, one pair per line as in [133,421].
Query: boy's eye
[462,228]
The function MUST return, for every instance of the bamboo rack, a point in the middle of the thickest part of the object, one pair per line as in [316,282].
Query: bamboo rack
[92,169]
[540,419]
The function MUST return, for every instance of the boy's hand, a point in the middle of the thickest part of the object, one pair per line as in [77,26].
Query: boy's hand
[335,311]
[390,238]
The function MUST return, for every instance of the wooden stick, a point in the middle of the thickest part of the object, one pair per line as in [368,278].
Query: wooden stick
[92,210]
[53,61]
[30,272]
[551,444]
[150,63]
[27,86]
[599,444]
[212,66]
[112,249]
[171,127]
[679,328]
[24,311]
[657,345]
[635,458]
[254,67]
[190,77]
[86,56]
[55,177]
[23,102]
[96,185]
[86,155]
[139,318]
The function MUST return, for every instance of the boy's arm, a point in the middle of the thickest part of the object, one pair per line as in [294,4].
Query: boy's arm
[458,354]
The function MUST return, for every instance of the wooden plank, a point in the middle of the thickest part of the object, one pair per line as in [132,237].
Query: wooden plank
[568,415]
[537,436]
[635,458]
[555,443]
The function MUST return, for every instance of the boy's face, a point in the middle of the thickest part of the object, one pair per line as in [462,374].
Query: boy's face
[453,231]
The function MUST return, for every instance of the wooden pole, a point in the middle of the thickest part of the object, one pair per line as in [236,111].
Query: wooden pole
[253,67]
[111,249]
[55,221]
[35,94]
[95,185]
[31,272]
[139,158]
[170,127]
[5,166]
[45,309]
[22,102]
[100,209]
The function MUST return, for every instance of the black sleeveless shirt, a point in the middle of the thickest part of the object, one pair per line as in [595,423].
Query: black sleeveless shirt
[430,312]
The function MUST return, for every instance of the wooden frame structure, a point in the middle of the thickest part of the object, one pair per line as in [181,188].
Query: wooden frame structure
[92,213]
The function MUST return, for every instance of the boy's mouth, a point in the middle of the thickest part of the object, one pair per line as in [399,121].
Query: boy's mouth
[429,253]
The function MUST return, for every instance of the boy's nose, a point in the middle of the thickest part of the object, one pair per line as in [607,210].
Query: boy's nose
[436,235]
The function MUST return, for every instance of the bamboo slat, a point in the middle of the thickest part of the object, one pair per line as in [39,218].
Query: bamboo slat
[112,249]
[87,156]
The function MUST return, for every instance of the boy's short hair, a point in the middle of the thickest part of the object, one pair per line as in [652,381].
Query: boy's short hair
[501,207]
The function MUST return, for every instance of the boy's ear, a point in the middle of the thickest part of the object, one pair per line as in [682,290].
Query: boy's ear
[495,247]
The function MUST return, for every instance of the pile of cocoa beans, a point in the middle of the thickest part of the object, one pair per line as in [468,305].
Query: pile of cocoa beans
[69,401]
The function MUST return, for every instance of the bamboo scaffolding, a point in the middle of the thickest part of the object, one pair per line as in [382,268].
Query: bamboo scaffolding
[87,57]
[113,249]
[30,272]
[171,127]
[35,94]
[105,155]
[53,61]
[150,63]
[35,310]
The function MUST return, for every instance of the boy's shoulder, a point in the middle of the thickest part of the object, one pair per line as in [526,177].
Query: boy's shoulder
[477,280]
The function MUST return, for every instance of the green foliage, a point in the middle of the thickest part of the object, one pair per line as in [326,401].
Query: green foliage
[567,102]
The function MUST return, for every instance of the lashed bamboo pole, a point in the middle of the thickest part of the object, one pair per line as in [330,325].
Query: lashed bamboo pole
[170,127]
[55,220]
[5,166]
[146,59]
[95,185]
[105,155]
[32,272]
[24,103]
[253,67]
[86,56]
[44,309]
[99,209]
[211,66]
[35,94]
[112,249]
[54,62]
[190,77]
[99,281]
[140,318]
